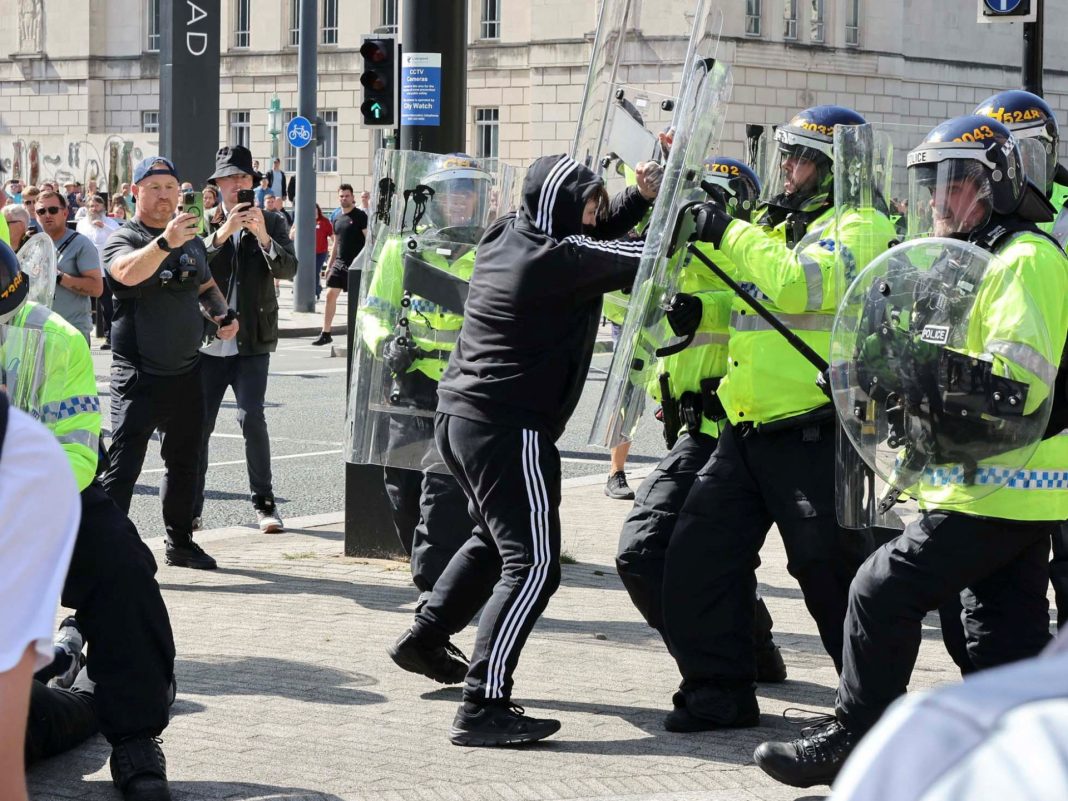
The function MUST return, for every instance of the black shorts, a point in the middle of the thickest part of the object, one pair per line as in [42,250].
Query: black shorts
[338,277]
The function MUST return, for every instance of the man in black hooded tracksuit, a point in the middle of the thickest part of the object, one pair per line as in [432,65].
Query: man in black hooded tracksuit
[511,384]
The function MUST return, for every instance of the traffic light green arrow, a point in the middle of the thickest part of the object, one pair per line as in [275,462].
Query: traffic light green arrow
[376,109]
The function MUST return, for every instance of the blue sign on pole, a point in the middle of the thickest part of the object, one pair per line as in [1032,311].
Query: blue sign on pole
[1002,6]
[421,89]
[300,132]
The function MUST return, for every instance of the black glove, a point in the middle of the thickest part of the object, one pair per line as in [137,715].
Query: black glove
[712,222]
[399,353]
[684,314]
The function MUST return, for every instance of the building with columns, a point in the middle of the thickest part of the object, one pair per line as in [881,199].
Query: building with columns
[79,78]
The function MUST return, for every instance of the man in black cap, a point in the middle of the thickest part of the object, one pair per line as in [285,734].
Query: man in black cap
[248,250]
[158,272]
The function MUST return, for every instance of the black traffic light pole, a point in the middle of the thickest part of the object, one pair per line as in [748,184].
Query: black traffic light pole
[304,217]
[434,42]
[1032,51]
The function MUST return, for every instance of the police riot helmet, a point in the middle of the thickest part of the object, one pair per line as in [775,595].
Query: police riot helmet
[14,284]
[965,170]
[1028,116]
[462,193]
[734,183]
[808,137]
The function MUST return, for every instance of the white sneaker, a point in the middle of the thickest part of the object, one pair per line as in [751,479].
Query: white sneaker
[270,520]
[69,638]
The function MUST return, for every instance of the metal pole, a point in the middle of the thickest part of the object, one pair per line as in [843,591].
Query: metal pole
[307,81]
[437,27]
[1032,51]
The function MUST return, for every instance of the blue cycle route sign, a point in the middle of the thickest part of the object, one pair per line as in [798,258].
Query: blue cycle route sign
[1002,6]
[299,132]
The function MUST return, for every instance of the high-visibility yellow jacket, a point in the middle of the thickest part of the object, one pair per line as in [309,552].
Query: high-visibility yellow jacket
[62,386]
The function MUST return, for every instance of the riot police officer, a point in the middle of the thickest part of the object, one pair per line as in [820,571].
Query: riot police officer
[774,461]
[984,541]
[693,416]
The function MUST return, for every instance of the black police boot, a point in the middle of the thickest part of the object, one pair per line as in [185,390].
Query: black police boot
[139,770]
[497,725]
[445,664]
[710,707]
[770,667]
[814,758]
[189,554]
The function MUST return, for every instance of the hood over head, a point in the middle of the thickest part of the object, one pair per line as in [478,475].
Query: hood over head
[555,192]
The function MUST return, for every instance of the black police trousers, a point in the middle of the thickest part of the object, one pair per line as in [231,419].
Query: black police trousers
[111,585]
[643,542]
[755,479]
[429,507]
[59,719]
[997,567]
[1058,574]
[141,404]
[511,565]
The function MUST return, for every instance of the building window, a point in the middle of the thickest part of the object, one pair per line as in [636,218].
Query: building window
[294,23]
[817,21]
[328,144]
[491,20]
[752,17]
[329,18]
[241,128]
[149,122]
[153,26]
[241,22]
[789,19]
[487,132]
[389,13]
[852,23]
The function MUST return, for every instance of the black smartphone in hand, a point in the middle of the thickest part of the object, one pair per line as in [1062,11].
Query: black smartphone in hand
[246,196]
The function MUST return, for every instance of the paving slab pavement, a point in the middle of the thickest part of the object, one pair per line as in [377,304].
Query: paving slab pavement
[286,691]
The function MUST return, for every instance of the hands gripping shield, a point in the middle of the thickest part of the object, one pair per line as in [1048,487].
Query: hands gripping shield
[37,258]
[430,213]
[941,373]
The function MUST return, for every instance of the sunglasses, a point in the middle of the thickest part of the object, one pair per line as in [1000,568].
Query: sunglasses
[49,210]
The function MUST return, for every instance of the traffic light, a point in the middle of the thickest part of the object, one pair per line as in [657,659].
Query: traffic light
[1008,10]
[379,79]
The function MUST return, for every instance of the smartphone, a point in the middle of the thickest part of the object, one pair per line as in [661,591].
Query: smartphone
[193,203]
[246,196]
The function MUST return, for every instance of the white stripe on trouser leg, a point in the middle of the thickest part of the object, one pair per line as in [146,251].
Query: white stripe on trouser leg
[516,617]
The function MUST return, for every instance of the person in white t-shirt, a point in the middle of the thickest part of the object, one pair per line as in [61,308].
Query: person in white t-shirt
[38,495]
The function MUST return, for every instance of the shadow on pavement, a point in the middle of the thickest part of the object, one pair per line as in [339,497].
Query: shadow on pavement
[284,678]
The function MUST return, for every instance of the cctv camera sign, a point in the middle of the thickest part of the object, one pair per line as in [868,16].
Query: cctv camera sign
[421,89]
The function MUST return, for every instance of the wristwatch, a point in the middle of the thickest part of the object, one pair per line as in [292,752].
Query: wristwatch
[163,244]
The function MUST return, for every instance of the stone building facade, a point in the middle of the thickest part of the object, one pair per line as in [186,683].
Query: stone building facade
[79,78]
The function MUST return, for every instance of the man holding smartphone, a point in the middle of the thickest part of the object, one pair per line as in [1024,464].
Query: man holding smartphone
[248,250]
[158,272]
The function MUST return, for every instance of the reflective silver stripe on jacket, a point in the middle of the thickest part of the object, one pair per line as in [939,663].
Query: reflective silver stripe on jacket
[795,322]
[708,338]
[80,437]
[814,280]
[36,318]
[1026,357]
[434,334]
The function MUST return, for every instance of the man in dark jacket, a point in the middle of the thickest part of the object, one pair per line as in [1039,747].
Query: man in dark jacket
[511,384]
[248,250]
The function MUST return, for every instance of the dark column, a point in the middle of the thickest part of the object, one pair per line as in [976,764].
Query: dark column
[189,86]
[1032,51]
[304,217]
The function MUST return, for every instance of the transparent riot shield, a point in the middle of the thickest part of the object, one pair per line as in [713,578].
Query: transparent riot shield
[429,213]
[941,372]
[632,87]
[37,257]
[24,352]
[646,333]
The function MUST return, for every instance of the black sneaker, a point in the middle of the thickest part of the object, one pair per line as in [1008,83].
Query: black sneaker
[189,555]
[324,339]
[497,725]
[139,770]
[770,667]
[445,664]
[618,488]
[709,708]
[814,758]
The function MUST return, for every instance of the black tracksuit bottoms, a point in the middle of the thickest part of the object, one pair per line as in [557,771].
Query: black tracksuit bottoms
[755,479]
[643,542]
[511,564]
[997,567]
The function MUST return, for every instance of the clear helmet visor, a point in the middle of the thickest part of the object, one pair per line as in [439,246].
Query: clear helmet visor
[948,198]
[462,200]
[798,172]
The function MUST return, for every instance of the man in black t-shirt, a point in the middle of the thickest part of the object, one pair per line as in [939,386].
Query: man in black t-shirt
[350,234]
[157,269]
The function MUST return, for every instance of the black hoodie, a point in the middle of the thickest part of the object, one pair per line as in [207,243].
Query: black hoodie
[535,301]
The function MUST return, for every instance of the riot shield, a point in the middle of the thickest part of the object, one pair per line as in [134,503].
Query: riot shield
[37,257]
[629,97]
[430,212]
[941,373]
[646,333]
[24,353]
